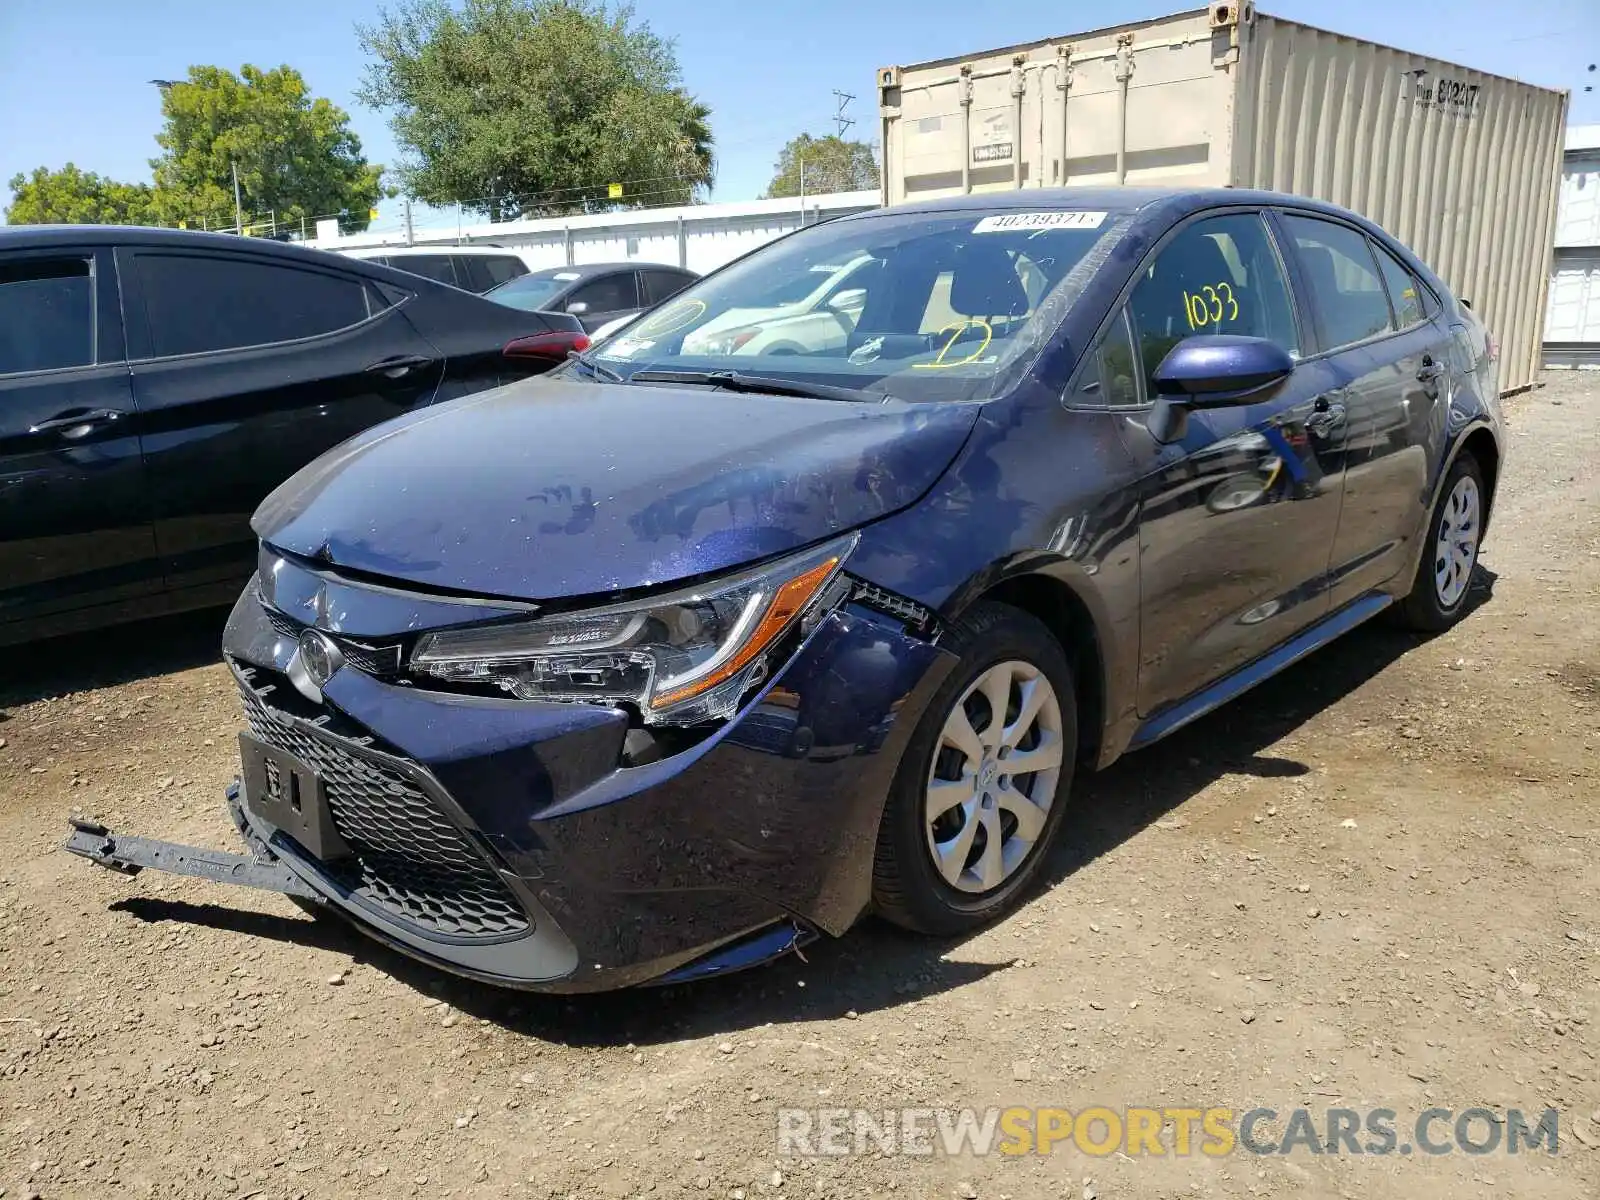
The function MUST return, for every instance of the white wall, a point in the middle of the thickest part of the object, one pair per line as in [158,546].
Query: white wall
[1572,313]
[701,237]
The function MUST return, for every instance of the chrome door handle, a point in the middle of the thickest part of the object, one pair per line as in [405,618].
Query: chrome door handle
[74,425]
[399,366]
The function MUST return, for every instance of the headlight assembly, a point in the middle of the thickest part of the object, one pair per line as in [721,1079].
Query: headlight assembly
[679,658]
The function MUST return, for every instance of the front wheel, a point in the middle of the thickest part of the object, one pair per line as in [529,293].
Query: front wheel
[981,790]
[1438,596]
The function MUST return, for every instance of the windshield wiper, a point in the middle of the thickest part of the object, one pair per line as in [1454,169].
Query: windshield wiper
[596,369]
[735,381]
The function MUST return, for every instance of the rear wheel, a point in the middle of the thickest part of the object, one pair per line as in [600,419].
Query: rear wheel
[1438,595]
[981,790]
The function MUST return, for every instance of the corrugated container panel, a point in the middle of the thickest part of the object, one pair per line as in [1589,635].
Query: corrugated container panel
[1467,161]
[1578,209]
[1460,165]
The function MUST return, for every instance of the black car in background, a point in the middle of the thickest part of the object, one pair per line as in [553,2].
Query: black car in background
[596,294]
[156,384]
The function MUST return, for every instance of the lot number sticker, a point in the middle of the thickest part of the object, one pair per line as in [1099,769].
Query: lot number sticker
[1040,220]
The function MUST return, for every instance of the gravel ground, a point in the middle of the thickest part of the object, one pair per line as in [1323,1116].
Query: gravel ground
[1370,883]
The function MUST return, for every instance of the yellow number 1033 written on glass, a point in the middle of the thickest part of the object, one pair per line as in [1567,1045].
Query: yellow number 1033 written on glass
[1211,305]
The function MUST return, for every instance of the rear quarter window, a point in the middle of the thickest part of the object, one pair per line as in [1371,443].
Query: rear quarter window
[1407,295]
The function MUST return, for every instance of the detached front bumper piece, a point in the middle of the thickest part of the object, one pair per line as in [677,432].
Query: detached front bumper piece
[130,855]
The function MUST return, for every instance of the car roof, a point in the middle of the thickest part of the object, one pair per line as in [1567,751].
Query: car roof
[23,237]
[1171,202]
[402,251]
[589,270]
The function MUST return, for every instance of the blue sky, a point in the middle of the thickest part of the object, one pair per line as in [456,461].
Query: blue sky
[73,72]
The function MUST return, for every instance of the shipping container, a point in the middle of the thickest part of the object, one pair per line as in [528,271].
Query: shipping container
[1460,165]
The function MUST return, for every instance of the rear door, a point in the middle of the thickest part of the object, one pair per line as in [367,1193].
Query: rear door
[604,298]
[1381,332]
[245,368]
[74,519]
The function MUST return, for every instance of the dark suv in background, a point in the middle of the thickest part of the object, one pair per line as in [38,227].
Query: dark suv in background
[155,385]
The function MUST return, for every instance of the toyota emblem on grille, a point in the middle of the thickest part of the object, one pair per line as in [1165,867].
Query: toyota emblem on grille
[320,655]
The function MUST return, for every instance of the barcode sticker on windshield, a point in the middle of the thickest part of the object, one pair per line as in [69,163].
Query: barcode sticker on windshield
[1040,220]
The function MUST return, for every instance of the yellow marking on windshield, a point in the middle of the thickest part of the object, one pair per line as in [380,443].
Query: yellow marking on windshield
[955,330]
[668,319]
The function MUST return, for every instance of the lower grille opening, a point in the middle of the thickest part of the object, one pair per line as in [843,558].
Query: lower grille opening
[409,859]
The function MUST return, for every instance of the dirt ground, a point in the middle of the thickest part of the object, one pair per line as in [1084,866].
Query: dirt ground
[1370,883]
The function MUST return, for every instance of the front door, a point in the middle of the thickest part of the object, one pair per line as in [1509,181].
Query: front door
[1237,514]
[248,368]
[74,520]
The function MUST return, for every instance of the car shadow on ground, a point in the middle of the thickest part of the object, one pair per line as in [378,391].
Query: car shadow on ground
[877,966]
[60,666]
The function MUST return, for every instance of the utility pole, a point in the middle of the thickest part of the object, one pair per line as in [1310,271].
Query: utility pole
[839,118]
[408,220]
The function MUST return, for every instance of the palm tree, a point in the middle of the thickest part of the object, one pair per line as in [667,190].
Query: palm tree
[698,162]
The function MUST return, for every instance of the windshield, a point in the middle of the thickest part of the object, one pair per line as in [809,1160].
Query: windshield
[528,292]
[916,305]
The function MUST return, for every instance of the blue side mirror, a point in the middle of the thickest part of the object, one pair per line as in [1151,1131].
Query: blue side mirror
[1219,370]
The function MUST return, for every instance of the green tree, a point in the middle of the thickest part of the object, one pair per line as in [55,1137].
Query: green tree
[832,164]
[73,197]
[296,155]
[533,107]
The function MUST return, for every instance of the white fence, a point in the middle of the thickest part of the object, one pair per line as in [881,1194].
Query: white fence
[700,237]
[1572,316]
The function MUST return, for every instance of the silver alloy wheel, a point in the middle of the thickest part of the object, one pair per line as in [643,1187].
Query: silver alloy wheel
[1456,551]
[994,776]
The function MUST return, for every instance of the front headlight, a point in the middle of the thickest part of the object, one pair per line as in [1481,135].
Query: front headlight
[679,658]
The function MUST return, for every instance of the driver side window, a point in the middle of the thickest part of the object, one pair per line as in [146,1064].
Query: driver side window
[1218,275]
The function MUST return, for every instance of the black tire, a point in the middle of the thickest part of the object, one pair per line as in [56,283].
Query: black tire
[1423,609]
[907,889]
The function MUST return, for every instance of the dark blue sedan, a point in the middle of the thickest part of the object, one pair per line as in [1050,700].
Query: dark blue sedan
[658,665]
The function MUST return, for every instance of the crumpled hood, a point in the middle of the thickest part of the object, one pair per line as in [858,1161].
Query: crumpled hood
[554,488]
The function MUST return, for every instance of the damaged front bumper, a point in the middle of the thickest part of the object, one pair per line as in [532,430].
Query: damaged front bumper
[512,842]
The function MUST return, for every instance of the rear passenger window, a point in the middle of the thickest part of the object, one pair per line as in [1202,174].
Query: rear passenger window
[437,267]
[196,303]
[46,315]
[1218,275]
[659,285]
[1405,293]
[1345,288]
[498,269]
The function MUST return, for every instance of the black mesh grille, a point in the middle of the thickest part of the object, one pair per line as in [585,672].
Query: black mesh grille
[409,859]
